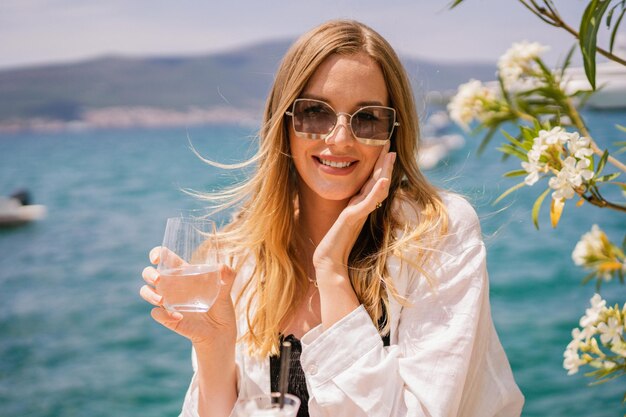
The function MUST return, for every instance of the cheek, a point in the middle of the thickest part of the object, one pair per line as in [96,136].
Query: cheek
[371,155]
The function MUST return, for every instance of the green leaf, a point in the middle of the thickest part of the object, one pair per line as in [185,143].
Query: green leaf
[537,206]
[486,140]
[530,134]
[516,142]
[546,71]
[602,162]
[589,25]
[512,150]
[609,177]
[619,21]
[455,3]
[605,375]
[620,127]
[588,278]
[567,61]
[515,173]
[509,191]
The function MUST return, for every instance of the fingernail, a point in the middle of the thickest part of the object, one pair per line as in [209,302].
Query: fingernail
[155,277]
[176,315]
[157,299]
[393,157]
[154,254]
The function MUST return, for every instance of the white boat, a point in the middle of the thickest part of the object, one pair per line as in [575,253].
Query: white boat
[610,85]
[15,211]
[434,144]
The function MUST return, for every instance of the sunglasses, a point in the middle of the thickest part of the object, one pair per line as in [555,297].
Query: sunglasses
[316,119]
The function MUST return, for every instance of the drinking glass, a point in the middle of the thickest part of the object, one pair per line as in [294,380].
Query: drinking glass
[267,406]
[189,265]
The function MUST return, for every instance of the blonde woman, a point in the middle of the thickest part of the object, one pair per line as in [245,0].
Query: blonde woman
[342,246]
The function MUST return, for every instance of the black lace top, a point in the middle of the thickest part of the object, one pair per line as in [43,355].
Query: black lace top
[297,381]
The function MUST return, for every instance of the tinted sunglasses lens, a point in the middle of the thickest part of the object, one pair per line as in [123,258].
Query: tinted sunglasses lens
[313,117]
[373,123]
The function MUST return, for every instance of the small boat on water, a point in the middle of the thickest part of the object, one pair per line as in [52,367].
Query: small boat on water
[435,143]
[17,210]
[610,85]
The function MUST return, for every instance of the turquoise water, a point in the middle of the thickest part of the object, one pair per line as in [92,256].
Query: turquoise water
[77,340]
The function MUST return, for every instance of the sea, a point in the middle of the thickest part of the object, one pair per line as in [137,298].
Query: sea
[77,340]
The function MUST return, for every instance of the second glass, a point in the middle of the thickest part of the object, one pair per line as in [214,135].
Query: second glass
[189,265]
[267,406]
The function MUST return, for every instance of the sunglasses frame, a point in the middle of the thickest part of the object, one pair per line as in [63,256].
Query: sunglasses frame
[322,136]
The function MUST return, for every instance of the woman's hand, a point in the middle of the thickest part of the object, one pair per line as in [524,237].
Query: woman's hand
[218,325]
[335,247]
[330,259]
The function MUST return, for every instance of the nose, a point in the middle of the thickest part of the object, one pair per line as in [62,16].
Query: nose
[341,133]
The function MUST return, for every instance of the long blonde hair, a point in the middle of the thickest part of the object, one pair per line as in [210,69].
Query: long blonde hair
[264,227]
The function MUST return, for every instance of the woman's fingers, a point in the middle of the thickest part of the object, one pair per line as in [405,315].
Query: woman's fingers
[378,171]
[165,257]
[155,255]
[380,191]
[150,275]
[381,161]
[227,277]
[377,188]
[169,319]
[150,295]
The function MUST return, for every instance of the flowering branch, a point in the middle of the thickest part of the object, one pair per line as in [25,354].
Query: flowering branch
[550,15]
[598,342]
[529,92]
[596,253]
[589,25]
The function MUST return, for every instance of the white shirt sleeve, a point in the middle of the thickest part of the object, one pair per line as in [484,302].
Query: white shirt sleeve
[445,358]
[190,405]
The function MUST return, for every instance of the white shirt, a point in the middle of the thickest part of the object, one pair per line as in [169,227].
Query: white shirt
[444,359]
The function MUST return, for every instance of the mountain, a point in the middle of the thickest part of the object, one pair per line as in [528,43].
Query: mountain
[162,87]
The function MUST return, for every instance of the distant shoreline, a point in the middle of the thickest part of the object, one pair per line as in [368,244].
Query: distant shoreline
[149,117]
[126,117]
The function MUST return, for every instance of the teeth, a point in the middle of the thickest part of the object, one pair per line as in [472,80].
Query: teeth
[335,164]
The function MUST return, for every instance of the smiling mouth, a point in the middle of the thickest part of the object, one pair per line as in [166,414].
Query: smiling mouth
[335,164]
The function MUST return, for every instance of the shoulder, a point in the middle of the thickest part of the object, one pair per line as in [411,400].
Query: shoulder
[456,217]
[462,217]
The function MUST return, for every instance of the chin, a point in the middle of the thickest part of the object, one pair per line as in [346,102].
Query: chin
[336,195]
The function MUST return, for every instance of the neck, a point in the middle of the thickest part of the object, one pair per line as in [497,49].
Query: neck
[316,216]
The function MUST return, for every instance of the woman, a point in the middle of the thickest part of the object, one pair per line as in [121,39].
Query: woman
[342,246]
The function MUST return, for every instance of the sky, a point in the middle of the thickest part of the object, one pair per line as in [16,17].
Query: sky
[33,32]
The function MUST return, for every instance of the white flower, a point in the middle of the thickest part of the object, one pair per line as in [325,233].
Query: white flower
[579,146]
[572,361]
[470,102]
[518,61]
[592,314]
[533,168]
[569,178]
[619,348]
[589,246]
[556,136]
[611,331]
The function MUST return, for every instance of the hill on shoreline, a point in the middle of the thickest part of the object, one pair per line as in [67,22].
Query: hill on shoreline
[119,91]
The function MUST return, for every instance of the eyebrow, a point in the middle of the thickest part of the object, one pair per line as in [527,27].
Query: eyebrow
[359,104]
